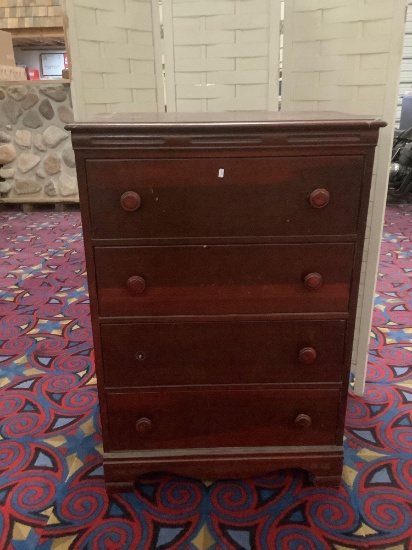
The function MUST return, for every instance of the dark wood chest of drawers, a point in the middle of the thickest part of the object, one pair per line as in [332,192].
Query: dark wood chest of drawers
[223,255]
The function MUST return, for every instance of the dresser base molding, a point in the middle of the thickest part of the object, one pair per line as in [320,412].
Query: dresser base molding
[123,469]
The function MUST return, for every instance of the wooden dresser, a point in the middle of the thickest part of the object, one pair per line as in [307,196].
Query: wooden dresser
[223,255]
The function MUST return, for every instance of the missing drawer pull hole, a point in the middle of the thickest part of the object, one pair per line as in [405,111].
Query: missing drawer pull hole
[140,356]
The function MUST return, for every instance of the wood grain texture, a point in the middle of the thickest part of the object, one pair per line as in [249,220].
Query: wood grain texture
[122,468]
[223,279]
[231,352]
[217,418]
[222,199]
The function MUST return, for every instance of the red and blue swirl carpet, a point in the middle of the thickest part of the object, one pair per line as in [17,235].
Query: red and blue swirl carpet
[51,486]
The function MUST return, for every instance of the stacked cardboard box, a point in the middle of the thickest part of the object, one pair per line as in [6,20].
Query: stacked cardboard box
[8,69]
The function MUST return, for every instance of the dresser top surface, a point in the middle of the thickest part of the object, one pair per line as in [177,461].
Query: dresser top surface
[252,119]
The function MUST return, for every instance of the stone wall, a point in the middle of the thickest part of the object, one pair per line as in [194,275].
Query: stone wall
[35,150]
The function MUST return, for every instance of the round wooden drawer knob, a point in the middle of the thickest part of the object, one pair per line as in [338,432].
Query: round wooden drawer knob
[130,201]
[319,198]
[144,425]
[307,356]
[136,284]
[303,421]
[313,281]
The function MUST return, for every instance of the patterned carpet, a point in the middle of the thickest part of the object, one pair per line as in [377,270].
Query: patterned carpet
[51,487]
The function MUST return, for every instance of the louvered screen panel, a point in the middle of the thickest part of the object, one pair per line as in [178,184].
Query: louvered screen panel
[406,68]
[221,55]
[116,56]
[345,56]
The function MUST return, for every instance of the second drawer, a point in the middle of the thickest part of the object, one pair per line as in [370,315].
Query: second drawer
[223,279]
[253,352]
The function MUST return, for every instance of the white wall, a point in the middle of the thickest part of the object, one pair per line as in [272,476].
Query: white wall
[346,57]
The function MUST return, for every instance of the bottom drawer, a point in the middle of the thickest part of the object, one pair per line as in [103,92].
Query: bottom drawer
[221,418]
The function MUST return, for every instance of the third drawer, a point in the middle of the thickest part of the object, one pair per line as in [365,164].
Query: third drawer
[246,352]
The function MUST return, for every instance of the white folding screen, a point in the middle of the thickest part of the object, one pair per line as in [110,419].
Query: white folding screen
[116,55]
[345,56]
[406,67]
[216,55]
[221,55]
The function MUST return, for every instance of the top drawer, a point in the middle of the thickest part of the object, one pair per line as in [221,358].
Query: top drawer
[224,197]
